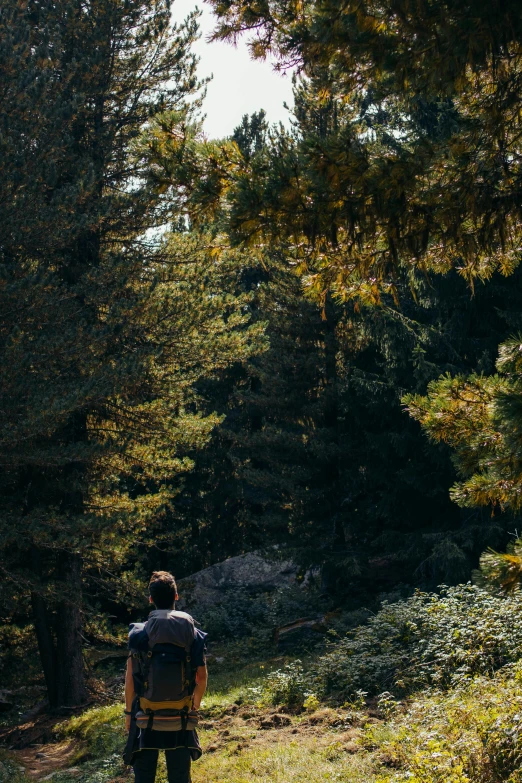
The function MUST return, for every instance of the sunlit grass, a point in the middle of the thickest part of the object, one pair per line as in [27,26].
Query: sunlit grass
[303,760]
[298,761]
[470,734]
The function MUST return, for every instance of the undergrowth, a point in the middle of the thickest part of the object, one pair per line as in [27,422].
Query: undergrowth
[429,640]
[428,691]
[472,734]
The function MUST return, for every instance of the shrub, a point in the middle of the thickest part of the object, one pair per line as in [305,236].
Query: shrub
[428,640]
[249,613]
[237,614]
[289,686]
[473,734]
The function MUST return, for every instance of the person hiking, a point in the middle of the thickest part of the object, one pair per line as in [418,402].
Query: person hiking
[165,680]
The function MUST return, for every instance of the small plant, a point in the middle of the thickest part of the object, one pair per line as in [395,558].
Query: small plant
[311,703]
[289,686]
[387,705]
[359,700]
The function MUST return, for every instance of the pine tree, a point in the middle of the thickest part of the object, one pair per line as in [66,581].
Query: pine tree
[105,328]
[381,191]
[479,417]
[270,472]
[391,336]
[402,525]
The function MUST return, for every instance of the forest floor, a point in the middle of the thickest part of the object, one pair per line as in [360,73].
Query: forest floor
[244,744]
[471,733]
[242,740]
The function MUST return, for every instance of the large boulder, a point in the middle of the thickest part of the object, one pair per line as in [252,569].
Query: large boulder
[254,572]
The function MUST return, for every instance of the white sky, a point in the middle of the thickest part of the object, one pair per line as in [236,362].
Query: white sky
[240,85]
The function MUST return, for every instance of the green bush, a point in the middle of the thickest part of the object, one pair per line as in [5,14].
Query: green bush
[289,686]
[471,734]
[238,614]
[428,640]
[244,613]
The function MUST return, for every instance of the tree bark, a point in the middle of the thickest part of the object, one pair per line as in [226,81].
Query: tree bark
[46,647]
[71,689]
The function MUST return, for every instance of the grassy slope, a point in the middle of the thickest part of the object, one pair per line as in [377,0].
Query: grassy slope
[472,734]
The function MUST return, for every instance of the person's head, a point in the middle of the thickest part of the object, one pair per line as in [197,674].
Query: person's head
[162,589]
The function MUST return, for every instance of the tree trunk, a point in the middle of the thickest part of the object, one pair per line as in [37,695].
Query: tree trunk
[71,688]
[46,648]
[332,421]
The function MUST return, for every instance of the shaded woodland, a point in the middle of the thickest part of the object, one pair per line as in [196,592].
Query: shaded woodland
[304,337]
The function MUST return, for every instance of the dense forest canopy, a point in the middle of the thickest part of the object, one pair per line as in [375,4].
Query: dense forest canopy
[208,345]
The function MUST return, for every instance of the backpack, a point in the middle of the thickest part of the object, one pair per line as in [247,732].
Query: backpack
[164,679]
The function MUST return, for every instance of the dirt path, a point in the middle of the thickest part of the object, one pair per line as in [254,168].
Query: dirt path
[41,762]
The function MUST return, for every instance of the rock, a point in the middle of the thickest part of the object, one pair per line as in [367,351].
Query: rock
[311,578]
[253,571]
[5,706]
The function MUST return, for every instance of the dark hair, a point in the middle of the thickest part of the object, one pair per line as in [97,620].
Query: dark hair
[162,588]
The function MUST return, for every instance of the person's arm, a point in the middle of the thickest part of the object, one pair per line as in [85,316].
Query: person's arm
[201,686]
[129,692]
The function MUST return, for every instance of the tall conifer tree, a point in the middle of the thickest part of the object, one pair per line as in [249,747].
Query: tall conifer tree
[105,329]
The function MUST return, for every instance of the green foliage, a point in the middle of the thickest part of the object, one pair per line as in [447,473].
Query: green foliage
[412,160]
[270,471]
[99,737]
[503,569]
[238,614]
[290,686]
[394,153]
[256,614]
[429,640]
[479,417]
[387,705]
[250,136]
[98,730]
[400,521]
[469,735]
[316,451]
[17,652]
[108,322]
